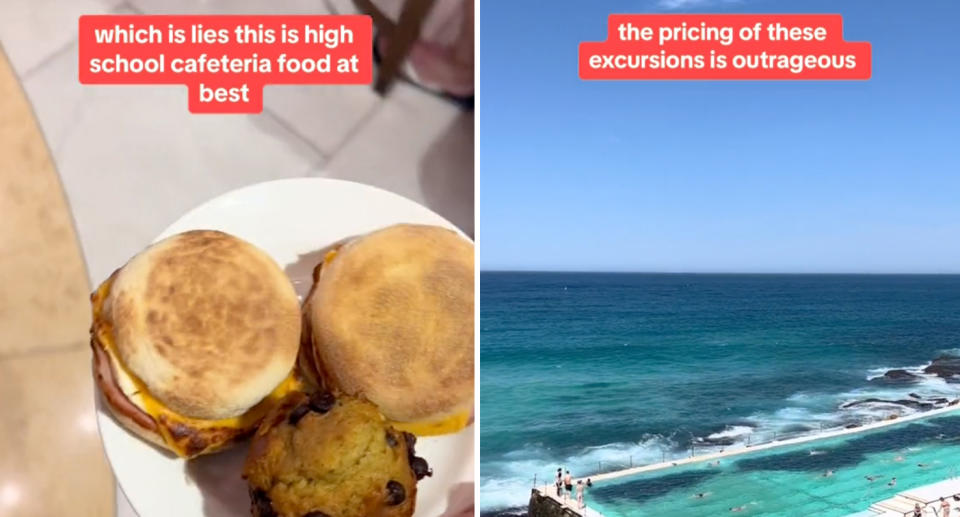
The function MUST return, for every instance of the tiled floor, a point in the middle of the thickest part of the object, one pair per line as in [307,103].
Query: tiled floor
[108,149]
[122,150]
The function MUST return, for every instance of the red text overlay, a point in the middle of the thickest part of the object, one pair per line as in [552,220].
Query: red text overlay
[225,61]
[724,46]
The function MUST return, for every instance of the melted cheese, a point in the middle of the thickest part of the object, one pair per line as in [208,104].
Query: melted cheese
[138,393]
[447,425]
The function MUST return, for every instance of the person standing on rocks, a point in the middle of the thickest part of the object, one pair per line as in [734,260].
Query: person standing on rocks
[568,485]
[559,482]
[580,494]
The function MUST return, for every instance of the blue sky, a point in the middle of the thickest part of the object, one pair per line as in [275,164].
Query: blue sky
[719,176]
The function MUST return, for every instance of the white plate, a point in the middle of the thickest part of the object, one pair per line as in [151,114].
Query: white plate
[291,220]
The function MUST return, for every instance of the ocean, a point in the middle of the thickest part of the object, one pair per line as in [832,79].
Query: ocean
[588,371]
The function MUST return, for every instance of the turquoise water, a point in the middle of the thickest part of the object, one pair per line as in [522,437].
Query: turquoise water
[585,370]
[790,481]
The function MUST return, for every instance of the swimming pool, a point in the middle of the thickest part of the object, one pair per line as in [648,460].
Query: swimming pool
[826,478]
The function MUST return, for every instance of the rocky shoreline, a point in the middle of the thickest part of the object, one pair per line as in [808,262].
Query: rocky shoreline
[946,367]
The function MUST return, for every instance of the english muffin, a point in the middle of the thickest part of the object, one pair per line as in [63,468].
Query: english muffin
[391,318]
[194,339]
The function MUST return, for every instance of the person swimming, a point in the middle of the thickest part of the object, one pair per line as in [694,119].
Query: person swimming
[738,508]
[872,478]
[893,482]
[828,473]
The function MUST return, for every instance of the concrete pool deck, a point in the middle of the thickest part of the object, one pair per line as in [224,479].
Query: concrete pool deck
[900,505]
[927,496]
[568,505]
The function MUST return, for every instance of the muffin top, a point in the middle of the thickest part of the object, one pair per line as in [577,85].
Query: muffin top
[320,455]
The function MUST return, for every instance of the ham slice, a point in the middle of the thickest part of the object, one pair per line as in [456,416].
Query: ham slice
[107,382]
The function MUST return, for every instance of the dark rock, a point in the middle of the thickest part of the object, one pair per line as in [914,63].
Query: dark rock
[899,376]
[914,395]
[543,506]
[725,441]
[944,366]
[797,429]
[915,404]
[719,437]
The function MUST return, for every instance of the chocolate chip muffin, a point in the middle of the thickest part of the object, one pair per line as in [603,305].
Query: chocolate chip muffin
[324,456]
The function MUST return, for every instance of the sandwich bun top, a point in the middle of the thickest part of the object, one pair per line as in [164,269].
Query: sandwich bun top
[391,319]
[207,322]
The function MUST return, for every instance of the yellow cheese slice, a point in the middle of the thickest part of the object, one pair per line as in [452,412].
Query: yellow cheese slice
[447,425]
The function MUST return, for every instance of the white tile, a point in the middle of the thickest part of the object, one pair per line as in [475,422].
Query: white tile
[133,159]
[325,115]
[418,146]
[32,30]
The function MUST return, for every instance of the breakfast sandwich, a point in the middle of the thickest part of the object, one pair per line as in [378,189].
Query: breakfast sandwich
[194,340]
[390,319]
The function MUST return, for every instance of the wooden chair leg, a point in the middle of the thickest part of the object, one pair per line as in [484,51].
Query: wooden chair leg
[380,20]
[402,36]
